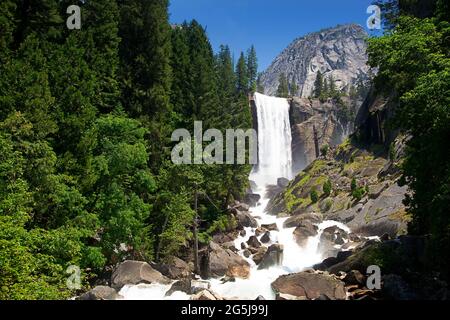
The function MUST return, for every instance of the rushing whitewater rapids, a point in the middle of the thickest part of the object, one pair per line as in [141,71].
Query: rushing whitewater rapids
[275,161]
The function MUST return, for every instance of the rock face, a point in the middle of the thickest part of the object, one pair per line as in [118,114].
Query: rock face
[318,121]
[377,210]
[309,286]
[135,272]
[339,52]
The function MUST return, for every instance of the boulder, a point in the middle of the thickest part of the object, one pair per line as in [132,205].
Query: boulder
[100,293]
[354,277]
[286,297]
[246,220]
[266,237]
[270,227]
[272,257]
[226,262]
[305,230]
[259,231]
[199,285]
[282,182]
[272,191]
[230,246]
[135,272]
[180,285]
[254,250]
[253,185]
[174,269]
[309,286]
[332,233]
[247,253]
[259,255]
[252,199]
[241,206]
[205,295]
[326,263]
[222,238]
[296,220]
[254,242]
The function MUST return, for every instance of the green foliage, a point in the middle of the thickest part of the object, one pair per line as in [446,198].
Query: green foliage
[283,86]
[324,150]
[314,196]
[293,87]
[413,62]
[252,68]
[353,185]
[86,118]
[242,74]
[327,188]
[318,85]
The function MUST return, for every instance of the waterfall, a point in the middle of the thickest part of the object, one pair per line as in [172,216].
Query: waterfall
[275,161]
[274,140]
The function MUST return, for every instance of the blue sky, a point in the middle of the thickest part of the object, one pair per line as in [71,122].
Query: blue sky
[268,24]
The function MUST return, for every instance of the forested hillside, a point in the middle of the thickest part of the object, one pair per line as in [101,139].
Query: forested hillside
[86,118]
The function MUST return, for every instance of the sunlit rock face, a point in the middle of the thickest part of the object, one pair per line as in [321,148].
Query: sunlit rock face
[339,52]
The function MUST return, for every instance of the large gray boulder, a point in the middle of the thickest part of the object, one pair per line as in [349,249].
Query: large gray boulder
[272,257]
[180,285]
[245,219]
[296,220]
[304,231]
[135,272]
[252,199]
[309,286]
[100,293]
[226,262]
[282,182]
[174,269]
[254,242]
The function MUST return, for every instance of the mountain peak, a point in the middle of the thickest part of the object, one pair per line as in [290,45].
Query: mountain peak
[338,52]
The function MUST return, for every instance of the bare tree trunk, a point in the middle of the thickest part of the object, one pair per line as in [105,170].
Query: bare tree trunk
[196,266]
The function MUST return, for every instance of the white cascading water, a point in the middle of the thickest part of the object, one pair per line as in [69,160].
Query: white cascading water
[275,161]
[274,141]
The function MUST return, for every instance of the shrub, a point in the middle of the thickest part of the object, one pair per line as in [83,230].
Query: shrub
[324,150]
[314,196]
[327,188]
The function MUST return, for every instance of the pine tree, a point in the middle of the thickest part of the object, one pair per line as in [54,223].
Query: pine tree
[283,86]
[145,52]
[8,8]
[318,85]
[252,67]
[326,87]
[293,88]
[259,85]
[332,84]
[181,95]
[242,75]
